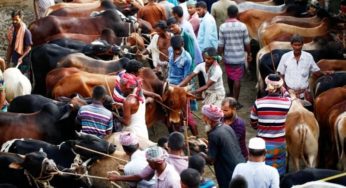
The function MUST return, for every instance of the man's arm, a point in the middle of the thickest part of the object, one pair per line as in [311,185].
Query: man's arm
[27,50]
[187,79]
[129,104]
[253,117]
[203,88]
[152,95]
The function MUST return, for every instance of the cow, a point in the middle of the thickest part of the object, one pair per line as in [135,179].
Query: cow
[38,125]
[88,64]
[255,5]
[322,105]
[268,57]
[44,29]
[15,83]
[174,97]
[302,132]
[310,174]
[283,32]
[64,153]
[337,123]
[253,18]
[82,83]
[326,82]
[57,74]
[26,171]
[77,9]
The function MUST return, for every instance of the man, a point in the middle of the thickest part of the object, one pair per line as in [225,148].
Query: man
[207,32]
[231,118]
[223,147]
[158,48]
[133,118]
[255,171]
[213,90]
[176,159]
[193,15]
[165,174]
[138,161]
[190,178]
[197,162]
[94,118]
[168,7]
[219,10]
[233,40]
[268,117]
[295,68]
[19,40]
[187,27]
[152,13]
[176,156]
[180,62]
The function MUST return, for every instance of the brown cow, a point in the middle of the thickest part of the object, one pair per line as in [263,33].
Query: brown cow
[43,29]
[57,74]
[302,132]
[283,32]
[174,97]
[323,103]
[79,10]
[253,18]
[301,22]
[337,123]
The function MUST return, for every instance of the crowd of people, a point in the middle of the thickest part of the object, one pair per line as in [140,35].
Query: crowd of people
[192,43]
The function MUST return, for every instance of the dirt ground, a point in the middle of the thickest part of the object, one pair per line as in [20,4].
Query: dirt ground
[247,94]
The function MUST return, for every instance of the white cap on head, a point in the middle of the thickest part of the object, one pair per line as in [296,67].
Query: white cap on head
[257,143]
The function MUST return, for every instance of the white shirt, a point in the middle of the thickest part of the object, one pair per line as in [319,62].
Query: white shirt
[137,123]
[258,174]
[214,74]
[169,178]
[297,74]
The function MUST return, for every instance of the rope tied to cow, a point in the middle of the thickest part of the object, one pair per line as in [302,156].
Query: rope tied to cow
[333,177]
[100,153]
[41,180]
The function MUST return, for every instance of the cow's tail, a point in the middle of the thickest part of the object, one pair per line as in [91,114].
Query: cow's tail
[302,132]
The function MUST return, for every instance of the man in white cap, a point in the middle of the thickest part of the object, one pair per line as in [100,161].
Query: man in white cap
[268,117]
[138,162]
[255,171]
[223,147]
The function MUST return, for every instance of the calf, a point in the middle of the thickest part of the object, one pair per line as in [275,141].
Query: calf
[302,132]
[22,171]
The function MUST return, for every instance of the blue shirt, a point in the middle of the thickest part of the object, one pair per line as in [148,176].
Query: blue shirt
[179,68]
[207,33]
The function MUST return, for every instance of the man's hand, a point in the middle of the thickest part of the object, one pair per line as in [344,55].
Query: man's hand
[20,61]
[249,57]
[113,176]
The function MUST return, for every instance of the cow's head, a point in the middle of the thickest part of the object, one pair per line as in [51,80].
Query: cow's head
[37,164]
[176,99]
[91,142]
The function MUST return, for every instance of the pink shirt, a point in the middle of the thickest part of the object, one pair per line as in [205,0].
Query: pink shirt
[194,20]
[169,178]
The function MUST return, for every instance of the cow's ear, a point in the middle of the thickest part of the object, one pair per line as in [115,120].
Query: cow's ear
[15,166]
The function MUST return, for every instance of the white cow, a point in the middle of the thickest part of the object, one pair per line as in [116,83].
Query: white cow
[16,84]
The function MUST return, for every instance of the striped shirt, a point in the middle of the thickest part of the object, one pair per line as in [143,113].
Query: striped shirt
[268,116]
[95,119]
[233,36]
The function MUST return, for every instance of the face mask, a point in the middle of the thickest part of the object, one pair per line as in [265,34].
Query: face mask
[207,128]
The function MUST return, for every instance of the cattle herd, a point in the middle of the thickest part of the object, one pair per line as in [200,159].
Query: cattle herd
[40,141]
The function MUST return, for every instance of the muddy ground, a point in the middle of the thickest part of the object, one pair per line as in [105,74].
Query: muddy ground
[247,94]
